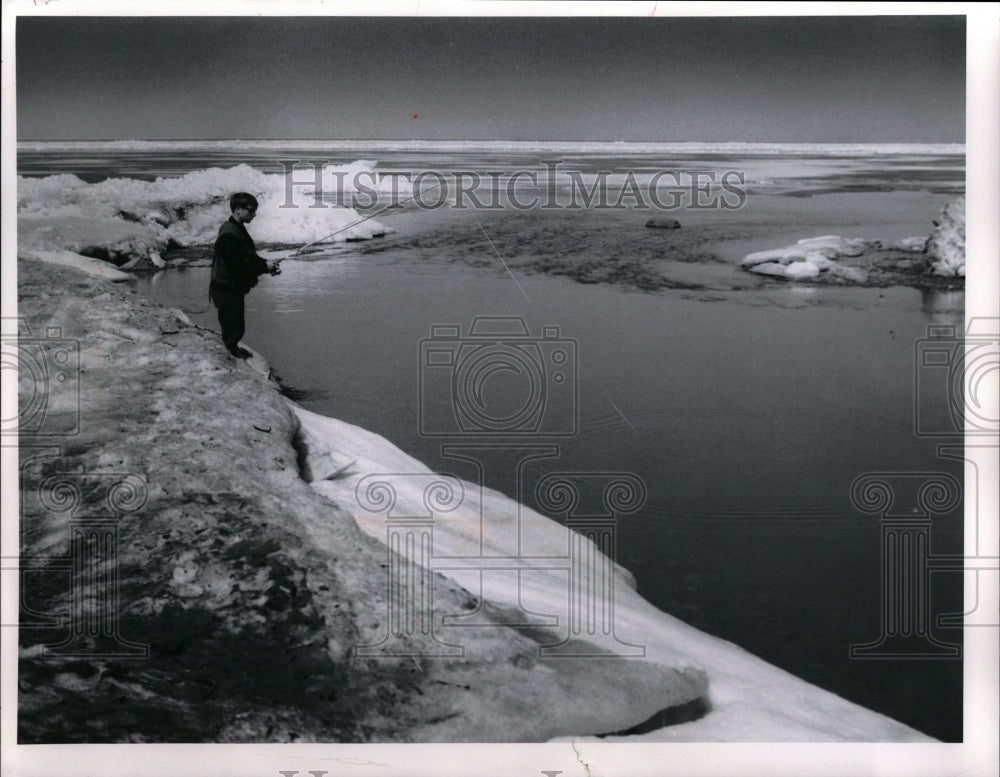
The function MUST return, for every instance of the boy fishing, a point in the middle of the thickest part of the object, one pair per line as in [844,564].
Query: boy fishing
[235,269]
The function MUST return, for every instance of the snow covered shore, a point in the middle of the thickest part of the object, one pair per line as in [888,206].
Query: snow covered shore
[266,600]
[748,699]
[123,218]
[259,608]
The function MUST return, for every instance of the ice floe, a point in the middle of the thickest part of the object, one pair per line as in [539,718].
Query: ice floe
[807,258]
[941,254]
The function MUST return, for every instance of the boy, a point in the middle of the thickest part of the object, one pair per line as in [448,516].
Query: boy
[235,268]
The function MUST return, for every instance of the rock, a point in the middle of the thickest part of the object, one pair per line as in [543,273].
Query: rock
[181,316]
[189,590]
[946,245]
[799,271]
[663,223]
[69,681]
[336,649]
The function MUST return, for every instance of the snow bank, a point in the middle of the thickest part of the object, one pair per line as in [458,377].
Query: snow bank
[946,245]
[125,217]
[749,699]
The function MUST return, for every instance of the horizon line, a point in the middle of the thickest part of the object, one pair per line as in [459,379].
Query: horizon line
[489,140]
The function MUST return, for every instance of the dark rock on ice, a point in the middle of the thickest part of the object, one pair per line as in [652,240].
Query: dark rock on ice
[663,223]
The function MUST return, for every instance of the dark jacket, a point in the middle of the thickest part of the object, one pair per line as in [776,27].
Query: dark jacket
[236,264]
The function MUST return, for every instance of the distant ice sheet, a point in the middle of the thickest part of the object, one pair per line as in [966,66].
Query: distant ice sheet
[607,147]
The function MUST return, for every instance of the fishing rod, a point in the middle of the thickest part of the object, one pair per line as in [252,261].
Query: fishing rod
[400,204]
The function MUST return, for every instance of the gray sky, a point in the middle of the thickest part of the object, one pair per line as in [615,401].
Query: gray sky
[820,79]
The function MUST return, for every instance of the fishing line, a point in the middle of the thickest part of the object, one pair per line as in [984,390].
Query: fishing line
[402,204]
[490,241]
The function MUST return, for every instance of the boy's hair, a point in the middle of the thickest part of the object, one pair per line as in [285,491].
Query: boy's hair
[242,200]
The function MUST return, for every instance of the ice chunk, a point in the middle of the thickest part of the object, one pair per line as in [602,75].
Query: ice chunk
[774,256]
[826,247]
[78,262]
[946,245]
[822,262]
[833,245]
[915,243]
[799,271]
[769,268]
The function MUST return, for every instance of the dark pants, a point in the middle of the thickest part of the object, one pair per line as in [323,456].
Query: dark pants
[231,313]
